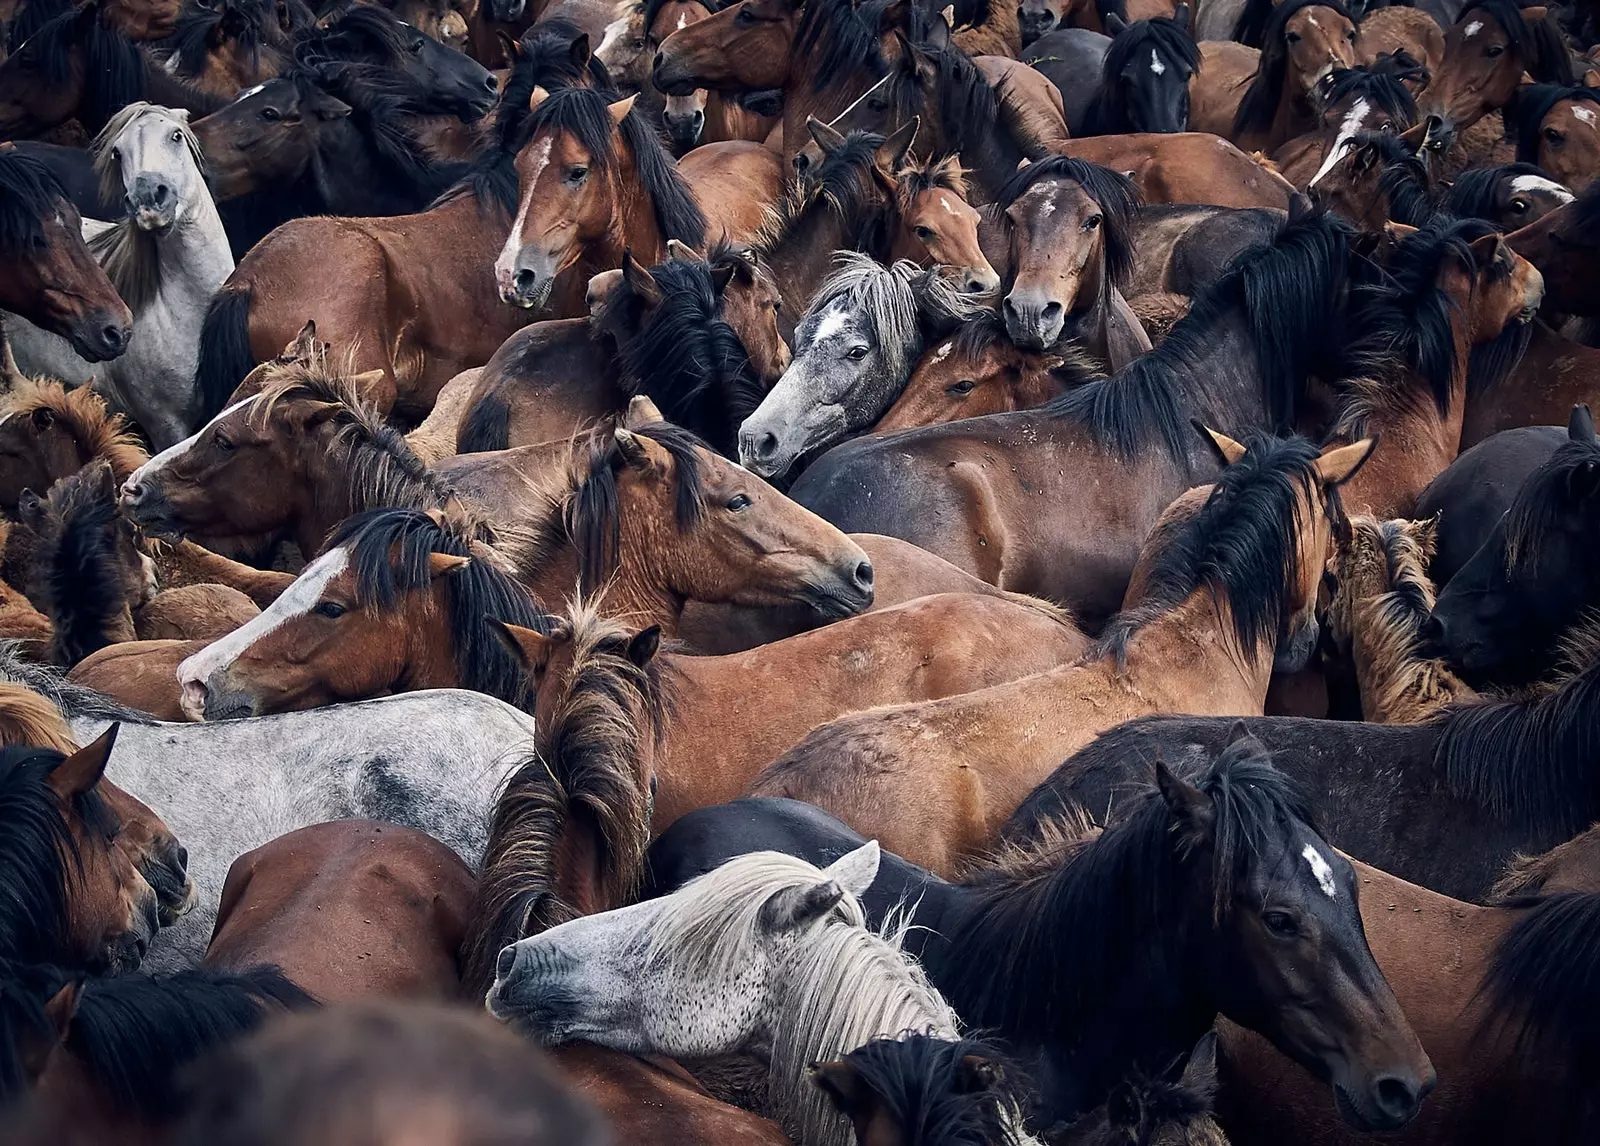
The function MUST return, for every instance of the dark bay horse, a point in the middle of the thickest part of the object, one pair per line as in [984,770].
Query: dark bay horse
[1557,128]
[49,275]
[1555,374]
[1241,897]
[1144,80]
[1565,246]
[986,493]
[1305,42]
[1510,196]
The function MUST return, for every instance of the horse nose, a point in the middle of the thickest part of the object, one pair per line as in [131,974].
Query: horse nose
[524,281]
[113,338]
[506,962]
[764,447]
[863,576]
[133,492]
[492,82]
[193,699]
[183,857]
[1398,1099]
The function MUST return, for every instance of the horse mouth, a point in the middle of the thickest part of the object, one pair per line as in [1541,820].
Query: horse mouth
[835,603]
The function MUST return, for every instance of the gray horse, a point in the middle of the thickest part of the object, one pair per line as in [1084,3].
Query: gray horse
[432,760]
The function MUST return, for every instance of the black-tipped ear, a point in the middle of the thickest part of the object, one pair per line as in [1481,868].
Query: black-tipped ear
[1188,804]
[1180,16]
[843,1085]
[644,646]
[722,274]
[1580,426]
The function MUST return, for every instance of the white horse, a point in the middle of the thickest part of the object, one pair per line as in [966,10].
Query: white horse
[765,955]
[166,259]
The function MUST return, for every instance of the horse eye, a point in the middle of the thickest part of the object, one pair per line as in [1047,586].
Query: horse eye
[177,137]
[1281,924]
[332,610]
[856,353]
[745,18]
[271,114]
[965,386]
[1519,204]
[577,174]
[777,305]
[1552,134]
[1494,50]
[1293,37]
[223,442]
[416,46]
[738,501]
[924,233]
[1092,223]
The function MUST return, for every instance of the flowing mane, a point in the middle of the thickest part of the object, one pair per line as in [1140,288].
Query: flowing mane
[252,24]
[1260,103]
[1107,112]
[965,107]
[843,183]
[74,564]
[839,37]
[1545,499]
[592,761]
[28,196]
[1111,190]
[1243,545]
[113,68]
[83,414]
[71,699]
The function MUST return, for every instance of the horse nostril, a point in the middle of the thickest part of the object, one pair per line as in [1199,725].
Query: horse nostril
[523,280]
[864,575]
[506,961]
[1397,1098]
[114,337]
[163,193]
[767,445]
[659,62]
[1052,311]
[132,493]
[183,857]
[492,82]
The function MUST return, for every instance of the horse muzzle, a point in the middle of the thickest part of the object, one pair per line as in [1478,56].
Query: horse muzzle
[672,78]
[1034,22]
[101,335]
[525,287]
[1034,320]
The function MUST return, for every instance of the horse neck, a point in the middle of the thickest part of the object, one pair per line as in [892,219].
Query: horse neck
[430,660]
[1088,325]
[198,248]
[633,222]
[1218,393]
[1186,660]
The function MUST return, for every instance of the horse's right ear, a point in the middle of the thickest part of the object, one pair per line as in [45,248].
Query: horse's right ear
[642,648]
[1187,804]
[619,110]
[1580,426]
[1341,463]
[892,151]
[529,649]
[1115,25]
[1180,16]
[1227,449]
[1417,134]
[1200,1072]
[824,136]
[796,907]
[81,771]
[979,1074]
[303,347]
[30,510]
[843,1085]
[855,870]
[63,1007]
[682,252]
[640,280]
[641,451]
[641,411]
[579,52]
[509,48]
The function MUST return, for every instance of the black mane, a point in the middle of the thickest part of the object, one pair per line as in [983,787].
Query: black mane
[28,196]
[1243,545]
[252,24]
[593,516]
[1529,104]
[1542,47]
[390,551]
[1403,178]
[360,33]
[1380,89]
[1544,503]
[30,17]
[113,68]
[924,1083]
[1107,113]
[688,359]
[1260,102]
[1008,967]
[1112,190]
[73,569]
[841,36]
[1480,192]
[966,109]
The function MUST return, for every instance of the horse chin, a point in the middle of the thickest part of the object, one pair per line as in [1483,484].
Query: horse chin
[154,221]
[827,601]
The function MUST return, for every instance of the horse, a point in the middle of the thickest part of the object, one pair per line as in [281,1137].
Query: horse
[1161,1109]
[1378,178]
[223,48]
[1563,246]
[1304,43]
[1503,613]
[105,1058]
[856,346]
[1555,374]
[701,116]
[1558,129]
[48,432]
[295,903]
[1038,17]
[79,66]
[51,278]
[1143,80]
[165,258]
[699,711]
[390,1067]
[978,370]
[1219,857]
[1066,224]
[1187,167]
[1353,100]
[1230,362]
[1487,50]
[1510,196]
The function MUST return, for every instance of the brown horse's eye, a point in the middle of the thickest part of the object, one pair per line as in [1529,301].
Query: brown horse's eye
[332,610]
[1350,35]
[1553,135]
[1092,223]
[960,389]
[1293,37]
[744,18]
[738,501]
[223,442]
[1494,51]
[577,174]
[924,233]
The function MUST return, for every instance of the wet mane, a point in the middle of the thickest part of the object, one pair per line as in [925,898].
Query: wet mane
[1007,966]
[1530,103]
[1107,112]
[389,552]
[1243,546]
[585,114]
[28,196]
[1112,191]
[592,761]
[1542,46]
[83,414]
[1481,192]
[1260,103]
[113,68]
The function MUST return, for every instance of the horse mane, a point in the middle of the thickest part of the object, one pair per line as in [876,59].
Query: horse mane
[382,99]
[1479,192]
[917,177]
[113,68]
[883,297]
[1107,112]
[1260,102]
[27,718]
[1007,966]
[1404,321]
[1286,290]
[1403,178]
[1243,546]
[592,759]
[1380,89]
[924,1083]
[252,24]
[840,36]
[389,551]
[1111,190]
[1542,45]
[1252,22]
[28,196]
[73,567]
[967,109]
[987,328]
[842,183]
[136,1034]
[131,255]
[357,33]
[1544,500]
[98,432]
[543,59]
[688,359]
[1528,106]
[30,17]
[71,699]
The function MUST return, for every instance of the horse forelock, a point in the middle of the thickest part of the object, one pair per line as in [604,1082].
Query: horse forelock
[1113,192]
[28,196]
[1161,34]
[1380,89]
[922,1080]
[880,298]
[106,166]
[98,432]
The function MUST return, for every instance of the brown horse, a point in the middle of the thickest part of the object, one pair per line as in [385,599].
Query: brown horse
[1305,42]
[934,224]
[1188,167]
[1555,374]
[48,432]
[701,116]
[1557,128]
[140,674]
[1353,100]
[1037,17]
[1378,177]
[47,273]
[1565,246]
[1243,571]
[717,729]
[1388,32]
[979,370]
[348,910]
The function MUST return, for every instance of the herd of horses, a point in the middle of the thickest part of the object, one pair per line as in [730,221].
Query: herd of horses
[815,571]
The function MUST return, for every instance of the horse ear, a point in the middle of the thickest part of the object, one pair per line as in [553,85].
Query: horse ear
[63,1007]
[1580,426]
[644,645]
[1123,1106]
[1340,463]
[682,252]
[529,649]
[537,97]
[795,907]
[1187,804]
[1229,450]
[1180,16]
[948,15]
[843,1085]
[823,136]
[1534,15]
[446,564]
[619,110]
[43,417]
[1426,534]
[1200,1072]
[641,411]
[1486,249]
[579,53]
[303,347]
[640,280]
[1300,205]
[1417,134]
[641,452]
[81,771]
[1115,25]
[722,275]
[854,871]
[509,48]
[892,151]
[30,510]
[316,413]
[1398,232]
[328,107]
[979,1074]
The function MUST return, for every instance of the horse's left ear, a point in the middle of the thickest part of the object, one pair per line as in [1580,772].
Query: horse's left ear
[446,564]
[843,1085]
[1200,1072]
[892,151]
[579,53]
[81,771]
[1187,804]
[1339,464]
[1486,249]
[619,110]
[721,275]
[1180,16]
[979,1074]
[641,411]
[642,452]
[1229,450]
[795,907]
[30,510]
[529,649]
[640,280]
[1115,25]
[642,648]
[682,252]
[854,871]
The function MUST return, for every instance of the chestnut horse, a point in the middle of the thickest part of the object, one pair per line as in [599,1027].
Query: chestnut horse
[47,273]
[715,722]
[1557,128]
[701,116]
[1305,42]
[1244,570]
[1186,167]
[1565,246]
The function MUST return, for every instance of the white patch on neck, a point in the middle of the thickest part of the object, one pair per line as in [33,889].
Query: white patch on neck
[943,352]
[173,452]
[829,323]
[1156,65]
[1472,29]
[1540,183]
[1319,868]
[507,262]
[1341,140]
[1583,114]
[296,601]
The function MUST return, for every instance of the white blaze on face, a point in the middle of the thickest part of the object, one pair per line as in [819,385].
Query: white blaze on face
[613,34]
[1472,29]
[683,21]
[295,601]
[943,352]
[506,265]
[944,201]
[1583,114]
[1353,120]
[173,452]
[1526,183]
[1156,65]
[829,323]
[247,93]
[1321,869]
